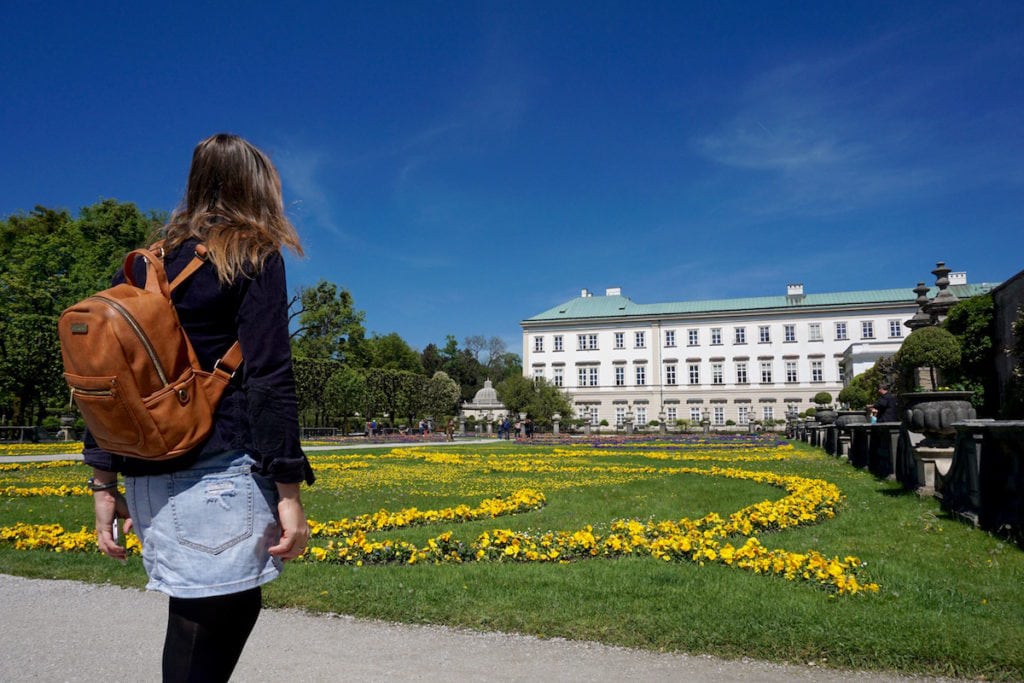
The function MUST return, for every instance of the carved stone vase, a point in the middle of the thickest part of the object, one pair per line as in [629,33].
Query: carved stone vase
[933,413]
[850,417]
[825,416]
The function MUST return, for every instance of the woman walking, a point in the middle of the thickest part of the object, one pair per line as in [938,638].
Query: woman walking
[218,522]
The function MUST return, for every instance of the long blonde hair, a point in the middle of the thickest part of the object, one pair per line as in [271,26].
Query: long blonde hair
[233,205]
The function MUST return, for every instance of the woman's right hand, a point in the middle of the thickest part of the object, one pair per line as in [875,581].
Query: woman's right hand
[110,506]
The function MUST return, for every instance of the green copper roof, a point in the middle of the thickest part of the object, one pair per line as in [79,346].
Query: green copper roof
[618,306]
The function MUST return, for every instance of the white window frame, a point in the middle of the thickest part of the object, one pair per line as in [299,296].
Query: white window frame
[558,377]
[789,332]
[670,338]
[817,371]
[814,332]
[641,415]
[693,337]
[620,340]
[620,375]
[620,416]
[739,335]
[743,413]
[895,329]
[767,376]
[792,372]
[693,373]
[538,344]
[717,373]
[640,340]
[764,334]
[716,336]
[695,415]
[718,415]
[557,342]
[640,375]
[867,329]
[670,374]
[742,374]
[842,331]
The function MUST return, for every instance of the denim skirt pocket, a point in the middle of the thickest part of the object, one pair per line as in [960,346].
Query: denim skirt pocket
[212,511]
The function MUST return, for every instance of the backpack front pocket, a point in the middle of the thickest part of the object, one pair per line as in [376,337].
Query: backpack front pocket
[106,412]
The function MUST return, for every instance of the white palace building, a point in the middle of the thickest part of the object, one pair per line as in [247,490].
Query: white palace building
[725,360]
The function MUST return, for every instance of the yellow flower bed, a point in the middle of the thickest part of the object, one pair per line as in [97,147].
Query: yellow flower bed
[731,540]
[54,448]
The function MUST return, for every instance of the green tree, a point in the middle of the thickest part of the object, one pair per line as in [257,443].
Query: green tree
[442,396]
[311,379]
[972,322]
[536,397]
[392,352]
[934,348]
[343,394]
[48,261]
[328,325]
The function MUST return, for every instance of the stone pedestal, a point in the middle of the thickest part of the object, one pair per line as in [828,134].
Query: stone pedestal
[859,438]
[830,439]
[985,483]
[928,443]
[883,446]
[933,463]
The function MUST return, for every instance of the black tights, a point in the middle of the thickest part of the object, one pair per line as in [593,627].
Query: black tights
[205,636]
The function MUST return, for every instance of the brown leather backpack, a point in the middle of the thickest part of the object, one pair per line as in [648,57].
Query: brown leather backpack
[132,370]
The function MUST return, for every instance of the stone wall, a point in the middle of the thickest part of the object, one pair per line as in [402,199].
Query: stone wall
[1009,300]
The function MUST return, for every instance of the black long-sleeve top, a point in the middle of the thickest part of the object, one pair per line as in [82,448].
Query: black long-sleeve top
[258,412]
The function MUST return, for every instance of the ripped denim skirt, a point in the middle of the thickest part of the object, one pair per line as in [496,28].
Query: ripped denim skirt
[206,530]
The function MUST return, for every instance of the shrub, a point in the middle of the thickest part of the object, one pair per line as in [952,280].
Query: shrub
[823,398]
[934,348]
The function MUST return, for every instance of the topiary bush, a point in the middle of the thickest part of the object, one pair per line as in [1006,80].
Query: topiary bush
[822,398]
[929,347]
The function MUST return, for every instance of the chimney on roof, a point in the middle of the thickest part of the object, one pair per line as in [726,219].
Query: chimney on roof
[958,278]
[613,291]
[584,293]
[795,289]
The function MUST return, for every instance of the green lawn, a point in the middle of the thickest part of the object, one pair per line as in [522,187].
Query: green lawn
[950,598]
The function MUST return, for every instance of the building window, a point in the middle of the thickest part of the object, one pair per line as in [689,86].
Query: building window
[586,342]
[538,344]
[558,379]
[717,374]
[581,377]
[768,412]
[670,337]
[557,341]
[620,376]
[867,329]
[670,374]
[595,418]
[740,335]
[840,372]
[791,375]
[620,340]
[641,340]
[895,329]
[671,414]
[716,336]
[766,372]
[592,374]
[620,416]
[789,332]
[744,414]
[538,373]
[693,369]
[641,416]
[841,332]
[741,373]
[764,335]
[719,415]
[641,375]
[692,337]
[814,331]
[695,415]
[817,371]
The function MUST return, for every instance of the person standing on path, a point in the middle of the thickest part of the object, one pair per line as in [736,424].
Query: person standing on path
[885,406]
[218,522]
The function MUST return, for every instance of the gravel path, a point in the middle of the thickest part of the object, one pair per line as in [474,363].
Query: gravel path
[70,631]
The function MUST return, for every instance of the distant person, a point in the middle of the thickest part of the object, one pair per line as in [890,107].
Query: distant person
[449,429]
[507,426]
[885,406]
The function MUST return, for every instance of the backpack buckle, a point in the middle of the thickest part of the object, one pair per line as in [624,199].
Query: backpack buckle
[216,367]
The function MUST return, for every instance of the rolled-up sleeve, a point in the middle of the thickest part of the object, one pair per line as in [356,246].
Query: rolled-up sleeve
[267,376]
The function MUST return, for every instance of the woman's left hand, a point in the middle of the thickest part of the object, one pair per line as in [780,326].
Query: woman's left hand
[294,527]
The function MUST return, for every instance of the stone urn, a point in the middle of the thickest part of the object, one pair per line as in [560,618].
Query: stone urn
[850,417]
[933,413]
[825,416]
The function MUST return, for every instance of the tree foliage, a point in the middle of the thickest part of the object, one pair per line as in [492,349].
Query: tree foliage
[972,322]
[48,261]
[933,347]
[328,325]
[538,398]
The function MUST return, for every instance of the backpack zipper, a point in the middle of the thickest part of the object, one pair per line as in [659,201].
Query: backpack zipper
[134,324]
[91,392]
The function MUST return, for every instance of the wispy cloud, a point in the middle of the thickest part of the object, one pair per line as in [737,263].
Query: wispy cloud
[303,175]
[851,131]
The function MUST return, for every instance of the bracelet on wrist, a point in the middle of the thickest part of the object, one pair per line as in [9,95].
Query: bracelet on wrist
[94,485]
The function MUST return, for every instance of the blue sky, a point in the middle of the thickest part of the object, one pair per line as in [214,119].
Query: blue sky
[462,166]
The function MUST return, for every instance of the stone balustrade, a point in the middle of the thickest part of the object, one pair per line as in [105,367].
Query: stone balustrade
[985,483]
